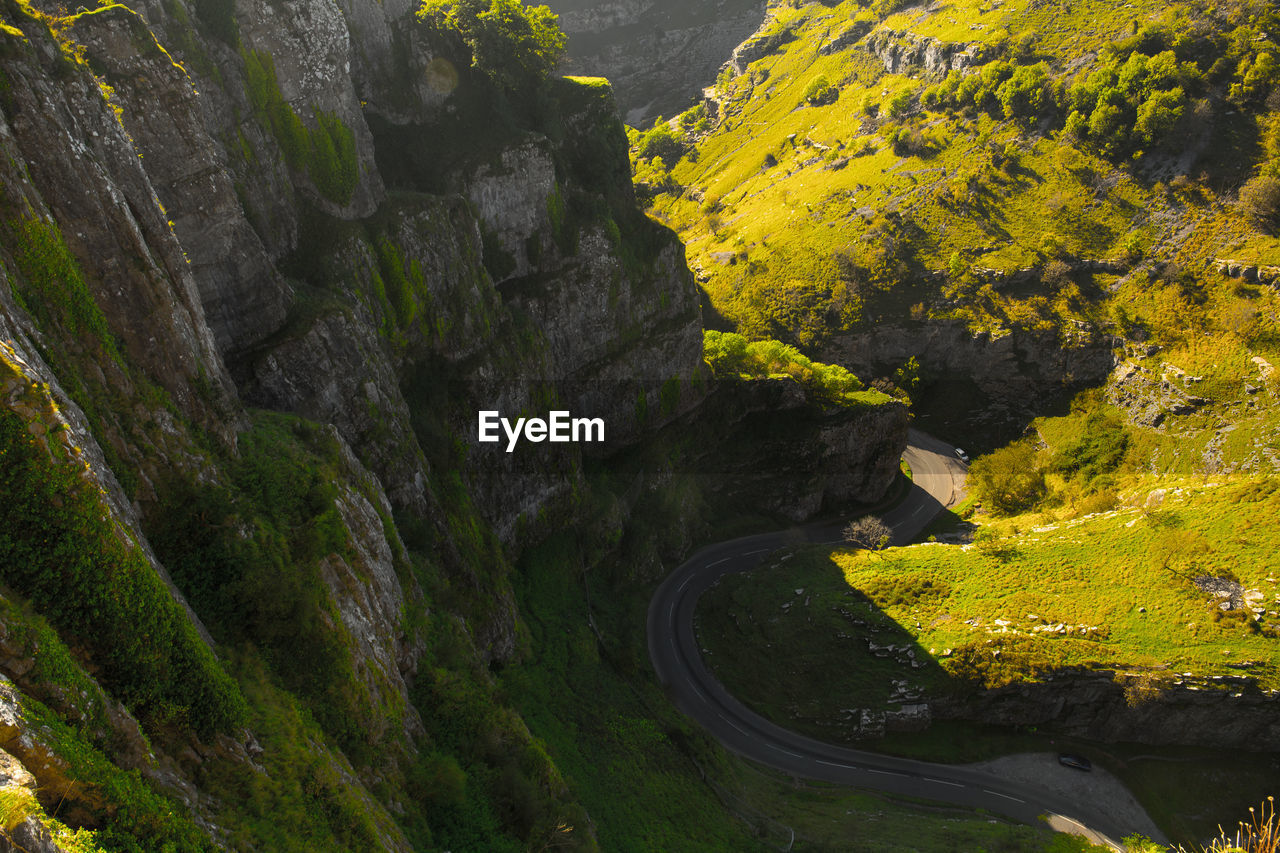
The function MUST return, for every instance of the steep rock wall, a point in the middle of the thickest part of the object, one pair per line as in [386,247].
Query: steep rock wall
[1006,379]
[1227,712]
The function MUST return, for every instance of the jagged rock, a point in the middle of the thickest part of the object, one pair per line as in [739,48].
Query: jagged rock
[512,197]
[846,39]
[243,297]
[1147,399]
[914,717]
[897,50]
[71,161]
[764,42]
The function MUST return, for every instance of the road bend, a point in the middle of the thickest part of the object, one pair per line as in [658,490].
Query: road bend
[937,482]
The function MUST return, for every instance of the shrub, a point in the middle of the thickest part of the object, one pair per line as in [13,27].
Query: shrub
[900,103]
[327,153]
[248,557]
[60,548]
[512,44]
[1008,480]
[333,167]
[1260,200]
[820,91]
[1097,453]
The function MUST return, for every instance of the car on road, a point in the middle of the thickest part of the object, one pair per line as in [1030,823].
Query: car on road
[1076,762]
[964,457]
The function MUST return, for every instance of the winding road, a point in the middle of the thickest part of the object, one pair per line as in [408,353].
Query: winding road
[673,647]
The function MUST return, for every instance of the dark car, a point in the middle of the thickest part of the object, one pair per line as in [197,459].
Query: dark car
[1077,762]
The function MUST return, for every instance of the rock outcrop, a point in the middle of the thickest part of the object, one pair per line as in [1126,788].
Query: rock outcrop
[899,50]
[1160,708]
[1007,378]
[819,457]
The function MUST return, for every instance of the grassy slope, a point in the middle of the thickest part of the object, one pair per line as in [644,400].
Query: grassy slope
[732,203]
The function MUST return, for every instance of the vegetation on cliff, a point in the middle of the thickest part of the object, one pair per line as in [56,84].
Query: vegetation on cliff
[730,355]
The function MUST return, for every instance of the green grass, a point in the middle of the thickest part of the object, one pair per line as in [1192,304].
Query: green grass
[1097,572]
[60,548]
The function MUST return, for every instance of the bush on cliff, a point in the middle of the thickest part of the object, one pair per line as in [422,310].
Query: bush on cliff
[510,43]
[730,355]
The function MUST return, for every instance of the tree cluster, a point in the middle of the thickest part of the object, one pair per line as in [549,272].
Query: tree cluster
[514,45]
[1122,106]
[731,355]
[1021,92]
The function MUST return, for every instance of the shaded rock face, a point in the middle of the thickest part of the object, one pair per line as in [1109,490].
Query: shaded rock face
[997,383]
[191,185]
[781,454]
[243,296]
[72,162]
[1225,711]
[658,54]
[225,277]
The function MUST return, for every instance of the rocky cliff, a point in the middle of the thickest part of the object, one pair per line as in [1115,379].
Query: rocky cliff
[1160,708]
[262,265]
[992,383]
[783,455]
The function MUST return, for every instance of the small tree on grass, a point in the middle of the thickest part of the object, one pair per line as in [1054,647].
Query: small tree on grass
[1009,480]
[1260,199]
[868,532]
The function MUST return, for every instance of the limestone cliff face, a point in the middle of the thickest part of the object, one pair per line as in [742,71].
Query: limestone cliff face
[783,454]
[998,381]
[261,264]
[195,223]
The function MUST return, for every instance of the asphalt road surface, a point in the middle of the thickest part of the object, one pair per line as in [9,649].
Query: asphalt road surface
[937,476]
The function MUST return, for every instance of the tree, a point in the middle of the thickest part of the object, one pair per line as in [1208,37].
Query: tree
[1008,480]
[1159,114]
[868,532]
[512,44]
[660,141]
[1260,199]
[1025,94]
[820,91]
